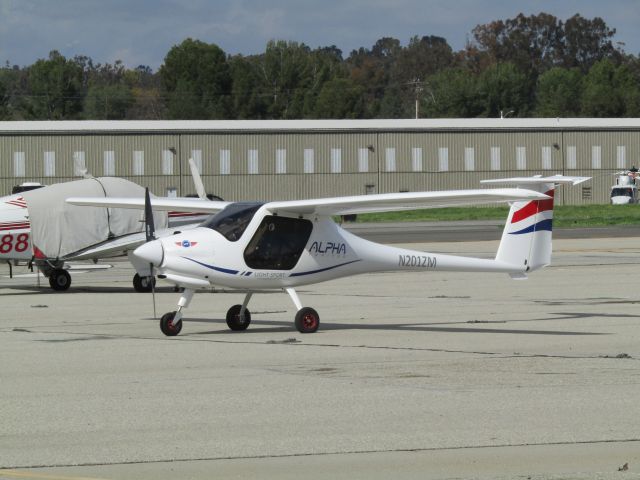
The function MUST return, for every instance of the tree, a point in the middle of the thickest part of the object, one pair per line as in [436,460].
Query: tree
[559,92]
[109,95]
[532,43]
[196,78]
[586,42]
[146,92]
[372,70]
[326,65]
[12,93]
[339,98]
[108,102]
[600,96]
[452,93]
[503,88]
[285,76]
[54,88]
[610,91]
[424,56]
[247,101]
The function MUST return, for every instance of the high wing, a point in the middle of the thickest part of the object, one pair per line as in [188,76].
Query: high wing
[195,205]
[387,202]
[383,202]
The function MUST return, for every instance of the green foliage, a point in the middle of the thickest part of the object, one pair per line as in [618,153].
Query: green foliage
[55,87]
[197,80]
[503,88]
[452,93]
[610,91]
[339,98]
[559,93]
[108,102]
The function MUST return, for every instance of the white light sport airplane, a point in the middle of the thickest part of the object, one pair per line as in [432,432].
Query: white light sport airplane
[281,245]
[38,226]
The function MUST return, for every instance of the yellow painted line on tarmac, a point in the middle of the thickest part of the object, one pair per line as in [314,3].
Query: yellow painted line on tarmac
[40,476]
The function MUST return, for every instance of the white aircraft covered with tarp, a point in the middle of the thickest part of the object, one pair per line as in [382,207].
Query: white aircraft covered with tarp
[39,226]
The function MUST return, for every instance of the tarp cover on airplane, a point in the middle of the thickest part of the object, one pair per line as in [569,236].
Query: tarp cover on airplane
[59,230]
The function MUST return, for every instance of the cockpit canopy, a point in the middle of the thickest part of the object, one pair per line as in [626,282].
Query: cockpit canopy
[232,221]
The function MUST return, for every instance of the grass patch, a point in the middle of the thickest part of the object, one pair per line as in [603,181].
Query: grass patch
[563,216]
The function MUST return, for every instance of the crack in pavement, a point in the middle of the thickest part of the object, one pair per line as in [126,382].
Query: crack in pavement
[319,454]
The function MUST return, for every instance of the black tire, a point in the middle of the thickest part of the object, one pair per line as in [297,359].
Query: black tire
[59,279]
[234,321]
[307,320]
[167,326]
[143,284]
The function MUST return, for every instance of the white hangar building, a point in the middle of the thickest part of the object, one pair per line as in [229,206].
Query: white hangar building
[274,159]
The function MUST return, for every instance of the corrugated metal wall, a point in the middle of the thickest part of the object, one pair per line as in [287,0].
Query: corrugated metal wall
[285,165]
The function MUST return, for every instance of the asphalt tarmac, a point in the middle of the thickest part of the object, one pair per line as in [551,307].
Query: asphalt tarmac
[411,375]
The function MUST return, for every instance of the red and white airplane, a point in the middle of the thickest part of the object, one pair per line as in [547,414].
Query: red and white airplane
[14,229]
[256,247]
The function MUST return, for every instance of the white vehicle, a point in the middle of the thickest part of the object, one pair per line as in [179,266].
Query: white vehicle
[257,247]
[625,190]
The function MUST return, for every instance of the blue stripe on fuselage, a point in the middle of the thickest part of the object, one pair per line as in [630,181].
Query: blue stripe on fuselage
[322,269]
[217,269]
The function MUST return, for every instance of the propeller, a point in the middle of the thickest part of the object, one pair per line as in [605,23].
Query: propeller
[150,233]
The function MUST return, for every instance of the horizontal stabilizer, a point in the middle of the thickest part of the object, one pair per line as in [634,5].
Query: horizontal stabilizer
[537,180]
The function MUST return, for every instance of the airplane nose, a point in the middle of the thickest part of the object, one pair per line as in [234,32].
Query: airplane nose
[151,252]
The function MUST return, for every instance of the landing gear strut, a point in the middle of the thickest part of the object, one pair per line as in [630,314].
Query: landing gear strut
[171,322]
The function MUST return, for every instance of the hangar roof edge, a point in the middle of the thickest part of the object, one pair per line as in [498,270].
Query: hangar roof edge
[186,126]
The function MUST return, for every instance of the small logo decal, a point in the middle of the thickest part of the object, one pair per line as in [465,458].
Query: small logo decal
[186,244]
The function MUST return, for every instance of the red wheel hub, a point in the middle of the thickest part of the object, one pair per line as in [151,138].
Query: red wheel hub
[309,321]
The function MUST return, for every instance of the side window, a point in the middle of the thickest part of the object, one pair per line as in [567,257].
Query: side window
[278,243]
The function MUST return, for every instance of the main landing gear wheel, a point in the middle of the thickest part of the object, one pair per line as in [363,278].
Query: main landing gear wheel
[307,320]
[143,284]
[234,321]
[167,326]
[59,279]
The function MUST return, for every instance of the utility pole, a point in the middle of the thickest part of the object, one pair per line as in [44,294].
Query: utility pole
[418,90]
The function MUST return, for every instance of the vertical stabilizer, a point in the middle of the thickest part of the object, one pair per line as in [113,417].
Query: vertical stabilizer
[526,239]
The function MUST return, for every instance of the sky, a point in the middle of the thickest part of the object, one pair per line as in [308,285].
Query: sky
[141,32]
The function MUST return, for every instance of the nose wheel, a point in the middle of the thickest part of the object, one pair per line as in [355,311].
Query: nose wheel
[169,326]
